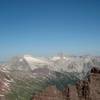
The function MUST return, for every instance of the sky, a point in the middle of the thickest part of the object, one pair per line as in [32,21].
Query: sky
[46,27]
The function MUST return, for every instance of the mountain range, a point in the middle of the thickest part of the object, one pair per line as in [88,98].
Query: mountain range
[33,73]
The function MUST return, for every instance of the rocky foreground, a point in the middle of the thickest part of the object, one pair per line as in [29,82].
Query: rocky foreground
[88,89]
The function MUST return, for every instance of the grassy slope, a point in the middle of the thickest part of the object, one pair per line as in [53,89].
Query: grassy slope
[24,89]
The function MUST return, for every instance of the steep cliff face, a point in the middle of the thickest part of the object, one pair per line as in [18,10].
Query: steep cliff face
[84,90]
[50,93]
[95,86]
[87,89]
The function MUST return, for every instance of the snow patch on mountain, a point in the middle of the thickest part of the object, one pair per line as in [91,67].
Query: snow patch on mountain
[31,60]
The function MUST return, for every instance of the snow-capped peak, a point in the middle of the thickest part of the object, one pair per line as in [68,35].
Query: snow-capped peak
[35,62]
[31,59]
[55,58]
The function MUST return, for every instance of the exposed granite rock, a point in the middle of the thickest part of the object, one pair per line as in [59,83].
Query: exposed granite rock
[51,93]
[95,86]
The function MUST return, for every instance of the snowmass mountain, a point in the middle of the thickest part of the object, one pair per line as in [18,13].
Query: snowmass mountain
[34,62]
[31,60]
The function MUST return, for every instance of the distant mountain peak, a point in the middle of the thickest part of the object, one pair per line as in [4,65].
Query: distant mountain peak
[31,59]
